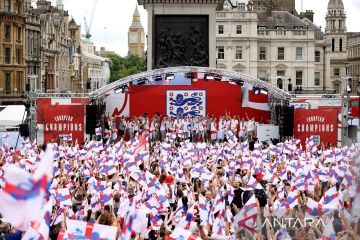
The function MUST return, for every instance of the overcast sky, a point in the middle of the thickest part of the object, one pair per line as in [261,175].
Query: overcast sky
[112,18]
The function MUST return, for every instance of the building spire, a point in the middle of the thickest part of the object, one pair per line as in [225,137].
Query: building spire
[136,23]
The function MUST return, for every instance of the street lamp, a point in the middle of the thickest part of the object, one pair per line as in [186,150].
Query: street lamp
[345,107]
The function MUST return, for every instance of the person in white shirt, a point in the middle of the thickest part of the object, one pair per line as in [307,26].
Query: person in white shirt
[233,125]
[163,128]
[221,129]
[130,127]
[202,129]
[213,129]
[250,127]
[242,130]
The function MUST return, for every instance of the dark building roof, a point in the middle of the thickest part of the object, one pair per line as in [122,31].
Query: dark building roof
[280,19]
[319,35]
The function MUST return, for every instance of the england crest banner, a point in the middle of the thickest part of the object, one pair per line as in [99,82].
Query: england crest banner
[186,103]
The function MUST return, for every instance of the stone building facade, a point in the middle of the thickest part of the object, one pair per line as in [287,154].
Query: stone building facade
[336,47]
[33,47]
[55,47]
[279,47]
[353,49]
[12,51]
[136,36]
[95,69]
[77,85]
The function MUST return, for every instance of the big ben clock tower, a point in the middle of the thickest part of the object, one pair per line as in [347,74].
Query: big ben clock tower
[136,36]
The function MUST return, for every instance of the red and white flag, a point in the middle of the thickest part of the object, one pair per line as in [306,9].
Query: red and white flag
[183,234]
[87,230]
[142,144]
[247,216]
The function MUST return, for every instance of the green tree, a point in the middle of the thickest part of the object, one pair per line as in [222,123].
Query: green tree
[125,66]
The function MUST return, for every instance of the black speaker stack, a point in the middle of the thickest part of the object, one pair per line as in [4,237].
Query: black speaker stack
[285,119]
[24,130]
[91,119]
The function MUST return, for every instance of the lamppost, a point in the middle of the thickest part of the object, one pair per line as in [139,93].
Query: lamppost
[345,107]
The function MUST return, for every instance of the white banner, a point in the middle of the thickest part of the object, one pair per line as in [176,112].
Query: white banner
[185,103]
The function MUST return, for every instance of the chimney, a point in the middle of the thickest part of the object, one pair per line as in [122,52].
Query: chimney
[309,14]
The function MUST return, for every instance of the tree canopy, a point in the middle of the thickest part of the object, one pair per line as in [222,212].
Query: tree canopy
[125,66]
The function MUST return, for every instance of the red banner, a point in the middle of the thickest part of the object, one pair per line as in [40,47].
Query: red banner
[316,122]
[221,97]
[60,117]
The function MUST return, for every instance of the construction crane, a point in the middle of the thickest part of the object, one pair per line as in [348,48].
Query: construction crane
[89,25]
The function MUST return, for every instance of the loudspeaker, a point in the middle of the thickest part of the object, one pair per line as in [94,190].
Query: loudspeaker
[91,120]
[285,117]
[24,130]
[352,132]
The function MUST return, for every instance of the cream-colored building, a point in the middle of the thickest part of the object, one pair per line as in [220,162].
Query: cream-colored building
[95,69]
[279,47]
[336,47]
[353,49]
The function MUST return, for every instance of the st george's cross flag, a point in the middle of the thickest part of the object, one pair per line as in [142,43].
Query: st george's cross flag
[86,230]
[61,196]
[247,216]
[182,234]
[21,200]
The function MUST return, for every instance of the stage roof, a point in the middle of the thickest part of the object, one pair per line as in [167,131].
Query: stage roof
[11,116]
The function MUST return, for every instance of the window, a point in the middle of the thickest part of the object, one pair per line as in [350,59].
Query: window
[262,55]
[7,83]
[238,54]
[299,76]
[221,29]
[279,83]
[333,45]
[241,6]
[281,53]
[19,33]
[18,56]
[262,75]
[280,73]
[337,87]
[19,82]
[299,53]
[7,6]
[317,56]
[317,79]
[7,56]
[7,32]
[336,72]
[341,44]
[221,52]
[238,29]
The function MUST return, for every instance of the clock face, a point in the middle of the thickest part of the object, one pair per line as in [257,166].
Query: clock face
[133,38]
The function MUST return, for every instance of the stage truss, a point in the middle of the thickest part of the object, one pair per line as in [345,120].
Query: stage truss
[274,92]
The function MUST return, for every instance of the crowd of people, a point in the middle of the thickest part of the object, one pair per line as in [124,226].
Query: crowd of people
[168,182]
[196,129]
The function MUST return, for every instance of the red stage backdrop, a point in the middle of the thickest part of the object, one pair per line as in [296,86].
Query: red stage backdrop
[317,122]
[220,97]
[62,116]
